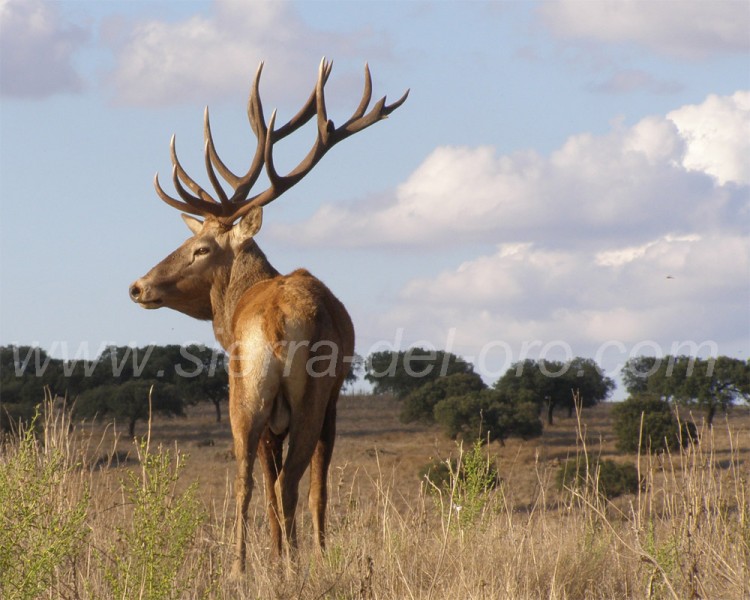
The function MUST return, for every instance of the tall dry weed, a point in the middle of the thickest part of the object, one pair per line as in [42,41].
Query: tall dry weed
[685,534]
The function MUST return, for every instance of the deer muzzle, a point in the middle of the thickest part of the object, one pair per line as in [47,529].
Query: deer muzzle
[140,293]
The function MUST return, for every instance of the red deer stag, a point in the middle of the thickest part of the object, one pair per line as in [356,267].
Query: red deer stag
[289,339]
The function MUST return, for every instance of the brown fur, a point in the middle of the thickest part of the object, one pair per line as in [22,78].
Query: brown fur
[296,296]
[289,341]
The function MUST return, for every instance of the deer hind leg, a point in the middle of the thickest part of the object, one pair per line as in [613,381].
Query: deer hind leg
[270,453]
[297,459]
[304,433]
[321,461]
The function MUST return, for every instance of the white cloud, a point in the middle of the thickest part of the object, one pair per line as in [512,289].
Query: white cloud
[37,49]
[631,184]
[207,57]
[717,133]
[623,256]
[655,138]
[687,29]
[670,290]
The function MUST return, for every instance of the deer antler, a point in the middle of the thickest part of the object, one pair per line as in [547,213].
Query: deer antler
[227,209]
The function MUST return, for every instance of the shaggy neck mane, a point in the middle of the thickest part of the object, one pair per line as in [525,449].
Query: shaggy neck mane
[249,267]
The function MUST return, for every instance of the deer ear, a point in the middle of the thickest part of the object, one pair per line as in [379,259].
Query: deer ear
[193,224]
[248,225]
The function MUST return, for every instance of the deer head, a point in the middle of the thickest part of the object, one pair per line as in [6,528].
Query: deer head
[185,279]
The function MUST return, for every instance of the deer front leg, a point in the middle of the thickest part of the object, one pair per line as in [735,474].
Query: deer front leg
[244,452]
[246,430]
[249,410]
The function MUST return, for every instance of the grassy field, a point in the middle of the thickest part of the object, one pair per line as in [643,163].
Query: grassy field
[109,518]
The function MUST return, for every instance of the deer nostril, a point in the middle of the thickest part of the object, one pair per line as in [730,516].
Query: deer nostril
[135,291]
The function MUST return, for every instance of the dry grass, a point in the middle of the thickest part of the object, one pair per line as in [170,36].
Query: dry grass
[685,535]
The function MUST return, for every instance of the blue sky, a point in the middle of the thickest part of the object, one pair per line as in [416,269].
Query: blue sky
[566,178]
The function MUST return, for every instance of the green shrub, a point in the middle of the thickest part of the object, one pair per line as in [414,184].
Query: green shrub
[149,560]
[487,415]
[419,405]
[42,519]
[609,478]
[648,420]
[467,481]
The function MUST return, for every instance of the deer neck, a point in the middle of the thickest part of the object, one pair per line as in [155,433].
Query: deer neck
[250,266]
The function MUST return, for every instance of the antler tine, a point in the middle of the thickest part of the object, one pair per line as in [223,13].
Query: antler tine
[273,177]
[324,129]
[278,183]
[366,97]
[255,116]
[180,175]
[206,208]
[309,110]
[190,203]
[212,174]
[379,111]
[174,203]
[262,133]
[253,102]
[226,173]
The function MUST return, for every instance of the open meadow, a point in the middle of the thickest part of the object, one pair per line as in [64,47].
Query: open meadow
[98,516]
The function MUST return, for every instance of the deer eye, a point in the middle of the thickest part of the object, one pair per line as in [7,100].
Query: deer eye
[201,251]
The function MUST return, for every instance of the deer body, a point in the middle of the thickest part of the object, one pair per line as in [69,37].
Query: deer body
[289,340]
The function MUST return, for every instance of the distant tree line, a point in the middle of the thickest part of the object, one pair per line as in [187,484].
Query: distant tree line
[435,387]
[709,385]
[116,384]
[440,387]
[650,419]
